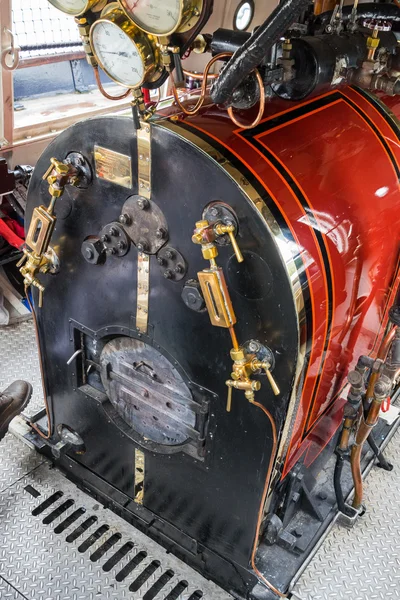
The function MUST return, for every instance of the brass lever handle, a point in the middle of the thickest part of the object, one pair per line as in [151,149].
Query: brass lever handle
[248,387]
[221,229]
[265,366]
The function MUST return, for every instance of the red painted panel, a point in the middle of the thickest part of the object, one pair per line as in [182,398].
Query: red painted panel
[332,170]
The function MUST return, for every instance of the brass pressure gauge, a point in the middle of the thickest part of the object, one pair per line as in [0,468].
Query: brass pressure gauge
[163,17]
[75,7]
[128,56]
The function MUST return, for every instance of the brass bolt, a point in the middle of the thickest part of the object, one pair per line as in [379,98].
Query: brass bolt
[210,252]
[237,355]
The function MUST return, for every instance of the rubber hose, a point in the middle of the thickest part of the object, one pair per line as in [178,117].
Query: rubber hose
[342,506]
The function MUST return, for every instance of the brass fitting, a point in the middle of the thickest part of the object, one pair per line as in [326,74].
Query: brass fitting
[200,44]
[221,229]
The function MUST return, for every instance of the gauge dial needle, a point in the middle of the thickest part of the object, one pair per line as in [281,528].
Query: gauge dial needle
[124,54]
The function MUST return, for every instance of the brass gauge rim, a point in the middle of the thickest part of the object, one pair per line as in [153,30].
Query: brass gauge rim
[88,5]
[145,46]
[187,10]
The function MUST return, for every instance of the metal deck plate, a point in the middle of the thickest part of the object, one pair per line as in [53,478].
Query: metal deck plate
[36,563]
[57,543]
[19,360]
[362,563]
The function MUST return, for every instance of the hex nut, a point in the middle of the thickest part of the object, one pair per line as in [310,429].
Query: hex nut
[93,251]
[192,296]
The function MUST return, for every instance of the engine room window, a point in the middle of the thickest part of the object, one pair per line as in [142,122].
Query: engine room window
[243,16]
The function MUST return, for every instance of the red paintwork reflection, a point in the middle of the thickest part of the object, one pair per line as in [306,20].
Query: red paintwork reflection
[348,182]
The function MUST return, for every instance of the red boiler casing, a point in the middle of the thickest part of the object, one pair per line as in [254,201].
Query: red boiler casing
[330,167]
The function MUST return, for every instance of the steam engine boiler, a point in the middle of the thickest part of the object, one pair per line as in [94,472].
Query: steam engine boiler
[215,279]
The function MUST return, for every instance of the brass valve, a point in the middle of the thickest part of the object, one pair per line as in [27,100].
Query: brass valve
[221,229]
[38,255]
[244,366]
[257,365]
[249,387]
[206,234]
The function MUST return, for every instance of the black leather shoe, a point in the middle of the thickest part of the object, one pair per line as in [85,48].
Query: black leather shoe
[12,402]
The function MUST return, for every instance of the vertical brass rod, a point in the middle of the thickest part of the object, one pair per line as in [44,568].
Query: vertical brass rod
[235,342]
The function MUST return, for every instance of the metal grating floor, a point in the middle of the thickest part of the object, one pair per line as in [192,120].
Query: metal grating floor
[36,561]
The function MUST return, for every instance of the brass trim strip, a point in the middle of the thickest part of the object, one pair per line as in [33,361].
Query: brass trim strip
[144,160]
[284,248]
[144,187]
[143,289]
[139,475]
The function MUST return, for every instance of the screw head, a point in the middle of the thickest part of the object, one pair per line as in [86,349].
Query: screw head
[121,245]
[214,212]
[142,246]
[178,269]
[113,231]
[124,219]
[160,261]
[89,253]
[254,346]
[105,239]
[111,251]
[143,203]
[169,254]
[168,274]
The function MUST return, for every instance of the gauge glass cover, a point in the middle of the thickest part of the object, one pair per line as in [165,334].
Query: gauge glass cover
[117,54]
[158,17]
[71,7]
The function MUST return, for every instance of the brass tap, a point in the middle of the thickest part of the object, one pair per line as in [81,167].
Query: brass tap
[244,366]
[258,365]
[38,256]
[221,229]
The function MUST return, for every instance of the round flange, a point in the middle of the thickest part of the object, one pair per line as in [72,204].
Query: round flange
[172,263]
[219,212]
[85,171]
[145,224]
[115,240]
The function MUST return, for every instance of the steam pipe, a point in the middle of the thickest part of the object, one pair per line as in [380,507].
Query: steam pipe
[382,389]
[253,51]
[368,10]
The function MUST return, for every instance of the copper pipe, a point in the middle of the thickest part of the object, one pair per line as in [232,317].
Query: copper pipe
[199,76]
[382,353]
[364,431]
[260,111]
[369,423]
[103,91]
[264,497]
[203,94]
[49,424]
[345,437]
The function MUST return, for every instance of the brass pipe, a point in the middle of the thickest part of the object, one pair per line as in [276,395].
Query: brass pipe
[235,342]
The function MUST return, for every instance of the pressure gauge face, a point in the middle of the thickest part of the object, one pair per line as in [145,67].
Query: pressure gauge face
[158,17]
[71,7]
[117,54]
